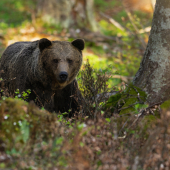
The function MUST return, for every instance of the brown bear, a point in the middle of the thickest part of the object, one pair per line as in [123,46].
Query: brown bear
[48,69]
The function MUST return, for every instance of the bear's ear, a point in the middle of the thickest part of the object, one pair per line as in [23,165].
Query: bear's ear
[79,44]
[44,43]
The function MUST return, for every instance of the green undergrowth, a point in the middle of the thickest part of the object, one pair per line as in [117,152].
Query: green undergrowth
[13,13]
[34,138]
[114,128]
[123,55]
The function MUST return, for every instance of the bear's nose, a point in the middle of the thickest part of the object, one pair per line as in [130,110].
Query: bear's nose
[63,76]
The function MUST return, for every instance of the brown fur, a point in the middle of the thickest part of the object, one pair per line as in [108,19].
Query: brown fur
[37,66]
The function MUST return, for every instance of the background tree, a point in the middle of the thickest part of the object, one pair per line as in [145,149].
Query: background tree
[153,75]
[67,13]
[144,5]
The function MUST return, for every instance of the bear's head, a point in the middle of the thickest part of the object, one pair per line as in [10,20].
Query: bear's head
[61,60]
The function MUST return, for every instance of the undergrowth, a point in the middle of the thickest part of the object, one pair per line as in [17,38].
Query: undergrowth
[101,137]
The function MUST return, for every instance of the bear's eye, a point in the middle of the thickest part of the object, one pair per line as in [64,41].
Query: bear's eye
[70,61]
[55,61]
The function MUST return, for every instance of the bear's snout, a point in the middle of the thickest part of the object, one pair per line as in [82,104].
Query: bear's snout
[63,76]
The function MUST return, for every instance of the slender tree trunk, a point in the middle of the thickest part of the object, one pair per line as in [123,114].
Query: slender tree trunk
[153,3]
[154,73]
[90,14]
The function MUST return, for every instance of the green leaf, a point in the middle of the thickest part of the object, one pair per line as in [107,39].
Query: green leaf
[59,141]
[108,120]
[81,126]
[135,96]
[81,144]
[113,100]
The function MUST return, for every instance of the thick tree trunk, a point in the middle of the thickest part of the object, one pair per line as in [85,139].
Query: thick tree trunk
[67,13]
[154,73]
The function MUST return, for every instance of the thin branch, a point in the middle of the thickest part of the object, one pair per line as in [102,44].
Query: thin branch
[38,98]
[123,78]
[145,30]
[136,29]
[129,106]
[115,23]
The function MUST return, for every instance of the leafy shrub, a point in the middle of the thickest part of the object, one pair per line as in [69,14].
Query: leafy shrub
[93,84]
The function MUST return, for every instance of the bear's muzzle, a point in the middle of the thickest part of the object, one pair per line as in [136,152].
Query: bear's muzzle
[63,76]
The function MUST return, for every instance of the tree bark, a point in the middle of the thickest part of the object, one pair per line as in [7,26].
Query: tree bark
[153,75]
[90,14]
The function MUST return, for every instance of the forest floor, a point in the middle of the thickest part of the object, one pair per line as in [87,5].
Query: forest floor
[121,132]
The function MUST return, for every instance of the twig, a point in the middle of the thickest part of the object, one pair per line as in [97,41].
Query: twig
[143,113]
[145,30]
[123,126]
[136,29]
[115,23]
[38,98]
[138,95]
[86,106]
[155,104]
[123,78]
[128,106]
